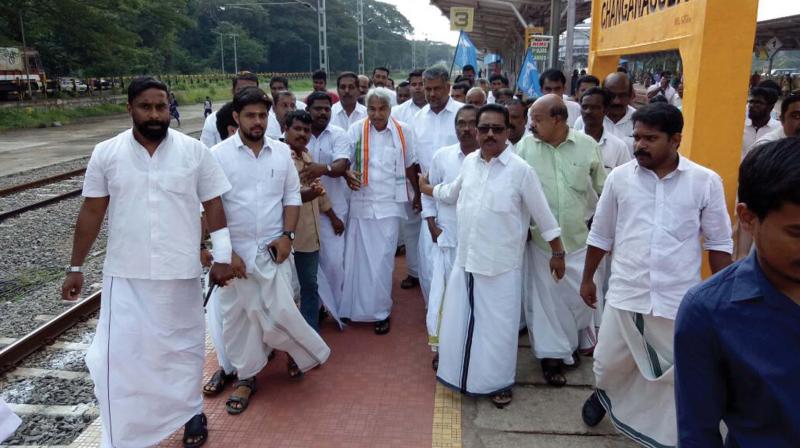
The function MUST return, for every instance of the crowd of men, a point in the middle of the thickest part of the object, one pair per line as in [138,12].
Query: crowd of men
[576,217]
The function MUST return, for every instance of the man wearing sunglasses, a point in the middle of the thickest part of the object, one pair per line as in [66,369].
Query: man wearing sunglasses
[497,195]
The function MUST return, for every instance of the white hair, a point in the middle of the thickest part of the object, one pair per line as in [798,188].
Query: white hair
[381,93]
[478,90]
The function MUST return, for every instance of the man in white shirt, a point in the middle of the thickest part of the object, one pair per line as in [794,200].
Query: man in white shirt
[433,129]
[382,155]
[790,121]
[553,81]
[409,227]
[380,78]
[620,112]
[497,195]
[278,84]
[759,120]
[329,147]
[441,216]
[518,120]
[347,111]
[594,104]
[149,346]
[651,214]
[284,102]
[263,205]
[496,82]
[209,135]
[664,88]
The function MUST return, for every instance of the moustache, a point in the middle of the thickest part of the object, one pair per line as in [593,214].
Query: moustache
[641,153]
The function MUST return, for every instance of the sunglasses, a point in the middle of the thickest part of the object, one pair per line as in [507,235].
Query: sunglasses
[484,129]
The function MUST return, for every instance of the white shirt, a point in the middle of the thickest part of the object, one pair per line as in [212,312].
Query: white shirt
[669,93]
[613,150]
[153,217]
[623,129]
[751,133]
[331,145]
[490,97]
[339,116]
[433,131]
[573,111]
[262,187]
[772,136]
[380,199]
[653,226]
[445,167]
[210,135]
[496,201]
[405,112]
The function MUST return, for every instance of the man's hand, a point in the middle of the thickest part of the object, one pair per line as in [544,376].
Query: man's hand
[313,171]
[71,288]
[312,191]
[337,224]
[589,293]
[424,186]
[435,232]
[353,180]
[416,204]
[220,274]
[558,267]
[237,266]
[206,258]
[284,247]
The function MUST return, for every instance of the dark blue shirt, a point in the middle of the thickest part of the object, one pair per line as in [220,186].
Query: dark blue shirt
[737,359]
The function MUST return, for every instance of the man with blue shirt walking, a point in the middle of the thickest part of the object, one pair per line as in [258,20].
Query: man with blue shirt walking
[737,336]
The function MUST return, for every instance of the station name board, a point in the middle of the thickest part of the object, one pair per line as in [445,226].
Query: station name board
[616,12]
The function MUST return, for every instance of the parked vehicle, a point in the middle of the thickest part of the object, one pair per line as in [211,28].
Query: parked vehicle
[72,85]
[18,68]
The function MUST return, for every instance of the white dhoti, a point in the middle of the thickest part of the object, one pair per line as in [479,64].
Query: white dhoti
[369,262]
[425,250]
[554,310]
[146,359]
[214,325]
[9,421]
[409,235]
[330,274]
[259,314]
[634,375]
[442,260]
[478,335]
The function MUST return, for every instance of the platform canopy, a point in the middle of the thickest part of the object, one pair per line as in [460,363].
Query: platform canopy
[786,29]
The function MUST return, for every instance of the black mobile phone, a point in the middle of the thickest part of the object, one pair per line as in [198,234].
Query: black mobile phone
[273,253]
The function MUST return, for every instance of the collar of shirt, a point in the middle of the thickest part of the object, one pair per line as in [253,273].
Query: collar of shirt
[570,138]
[503,157]
[237,140]
[683,165]
[451,106]
[750,283]
[338,108]
[771,124]
[626,118]
[142,153]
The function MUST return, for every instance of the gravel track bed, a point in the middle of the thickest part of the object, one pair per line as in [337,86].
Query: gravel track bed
[48,390]
[34,195]
[44,431]
[40,173]
[81,333]
[69,360]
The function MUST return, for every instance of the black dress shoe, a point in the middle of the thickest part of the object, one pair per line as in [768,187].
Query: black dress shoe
[593,411]
[409,282]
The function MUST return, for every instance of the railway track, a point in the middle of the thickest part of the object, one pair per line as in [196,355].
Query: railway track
[21,198]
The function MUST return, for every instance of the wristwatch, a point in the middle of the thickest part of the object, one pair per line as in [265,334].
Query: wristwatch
[559,254]
[328,167]
[290,234]
[71,269]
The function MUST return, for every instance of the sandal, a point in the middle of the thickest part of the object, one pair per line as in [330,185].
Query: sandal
[502,399]
[576,361]
[435,362]
[249,383]
[294,371]
[382,327]
[552,370]
[195,430]
[217,382]
[409,282]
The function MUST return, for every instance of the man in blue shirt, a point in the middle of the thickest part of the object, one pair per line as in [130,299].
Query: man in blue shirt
[737,336]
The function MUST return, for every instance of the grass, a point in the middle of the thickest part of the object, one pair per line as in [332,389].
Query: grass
[187,94]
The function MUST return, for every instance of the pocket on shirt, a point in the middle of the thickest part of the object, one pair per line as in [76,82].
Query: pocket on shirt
[684,227]
[277,179]
[578,177]
[177,183]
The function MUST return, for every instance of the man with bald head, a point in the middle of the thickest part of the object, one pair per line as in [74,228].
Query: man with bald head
[619,114]
[568,163]
[476,96]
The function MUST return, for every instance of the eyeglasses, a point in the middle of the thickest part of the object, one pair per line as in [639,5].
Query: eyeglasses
[484,129]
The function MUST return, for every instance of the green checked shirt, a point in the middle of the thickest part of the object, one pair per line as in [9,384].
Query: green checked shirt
[566,173]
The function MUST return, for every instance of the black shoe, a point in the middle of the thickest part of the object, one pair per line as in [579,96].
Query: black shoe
[409,282]
[576,361]
[382,326]
[593,411]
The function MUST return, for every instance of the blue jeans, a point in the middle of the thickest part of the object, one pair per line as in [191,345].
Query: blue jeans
[306,264]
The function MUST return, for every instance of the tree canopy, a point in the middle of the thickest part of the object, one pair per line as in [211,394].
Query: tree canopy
[126,37]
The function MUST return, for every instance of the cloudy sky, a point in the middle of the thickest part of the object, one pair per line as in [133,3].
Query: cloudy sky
[429,23]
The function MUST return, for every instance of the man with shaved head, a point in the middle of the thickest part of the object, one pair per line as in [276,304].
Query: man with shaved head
[476,96]
[619,114]
[568,163]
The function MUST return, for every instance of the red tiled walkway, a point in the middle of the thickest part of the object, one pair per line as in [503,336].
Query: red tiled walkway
[374,391]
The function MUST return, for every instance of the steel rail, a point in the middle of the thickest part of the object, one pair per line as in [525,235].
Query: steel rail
[41,182]
[40,204]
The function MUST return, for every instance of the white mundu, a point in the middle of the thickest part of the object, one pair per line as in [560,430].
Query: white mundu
[653,226]
[480,321]
[152,304]
[258,312]
[431,131]
[444,169]
[409,227]
[375,212]
[332,144]
[9,422]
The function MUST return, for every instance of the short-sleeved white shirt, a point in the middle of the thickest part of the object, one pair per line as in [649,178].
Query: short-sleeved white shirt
[153,217]
[331,145]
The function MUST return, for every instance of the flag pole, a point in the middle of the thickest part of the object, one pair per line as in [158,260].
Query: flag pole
[455,53]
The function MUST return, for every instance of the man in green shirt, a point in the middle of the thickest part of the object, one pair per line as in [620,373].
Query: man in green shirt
[568,163]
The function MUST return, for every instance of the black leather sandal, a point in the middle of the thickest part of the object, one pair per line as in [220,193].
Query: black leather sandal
[195,432]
